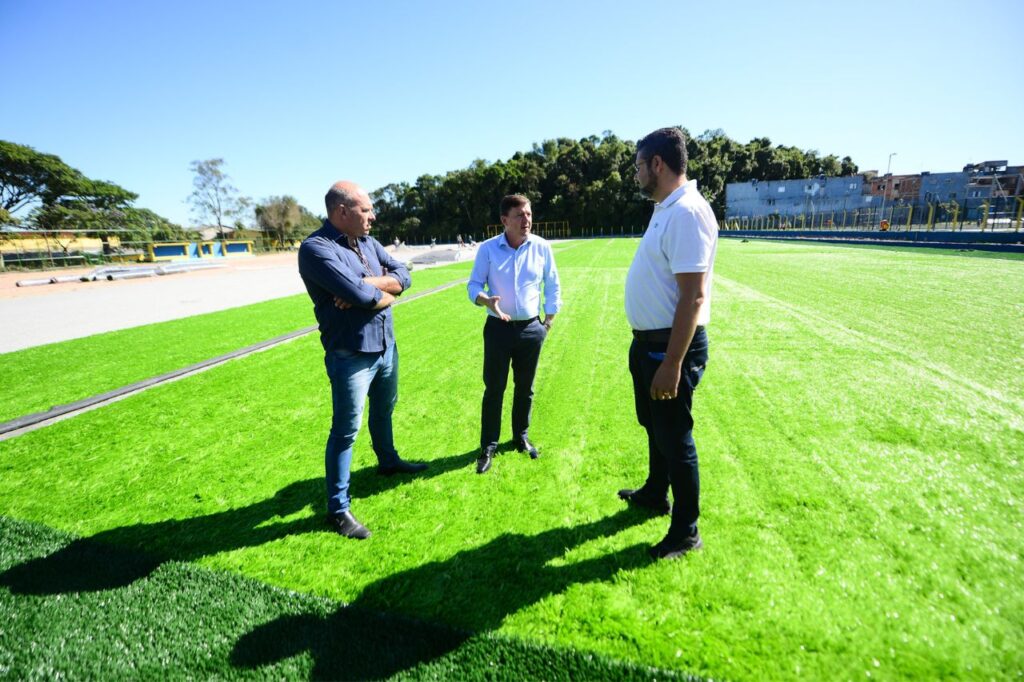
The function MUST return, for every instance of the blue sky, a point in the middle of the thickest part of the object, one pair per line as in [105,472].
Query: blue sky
[296,95]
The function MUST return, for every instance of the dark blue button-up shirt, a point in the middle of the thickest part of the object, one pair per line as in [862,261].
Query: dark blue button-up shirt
[330,267]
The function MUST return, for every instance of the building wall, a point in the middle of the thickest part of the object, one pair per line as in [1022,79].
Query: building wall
[943,187]
[795,197]
[973,185]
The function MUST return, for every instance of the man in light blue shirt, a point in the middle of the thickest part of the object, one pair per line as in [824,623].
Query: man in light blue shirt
[507,277]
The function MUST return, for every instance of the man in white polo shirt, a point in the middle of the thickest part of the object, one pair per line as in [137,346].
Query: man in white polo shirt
[668,301]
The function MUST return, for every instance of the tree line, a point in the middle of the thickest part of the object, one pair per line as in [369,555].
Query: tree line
[63,199]
[587,183]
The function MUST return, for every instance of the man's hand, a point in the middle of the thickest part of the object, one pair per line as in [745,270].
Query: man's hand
[386,283]
[665,385]
[386,299]
[548,320]
[492,304]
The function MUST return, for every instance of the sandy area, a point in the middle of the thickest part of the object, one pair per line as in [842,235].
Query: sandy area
[31,316]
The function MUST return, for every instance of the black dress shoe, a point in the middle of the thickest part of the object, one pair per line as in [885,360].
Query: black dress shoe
[525,445]
[483,462]
[670,548]
[642,499]
[401,467]
[347,525]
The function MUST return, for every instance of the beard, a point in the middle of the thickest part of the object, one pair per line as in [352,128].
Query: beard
[648,188]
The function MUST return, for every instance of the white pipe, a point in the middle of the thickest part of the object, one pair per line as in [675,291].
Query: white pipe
[135,274]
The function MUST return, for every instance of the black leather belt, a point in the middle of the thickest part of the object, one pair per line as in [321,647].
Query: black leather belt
[514,323]
[656,335]
[523,323]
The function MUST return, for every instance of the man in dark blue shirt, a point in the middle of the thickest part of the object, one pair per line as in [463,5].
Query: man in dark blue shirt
[353,281]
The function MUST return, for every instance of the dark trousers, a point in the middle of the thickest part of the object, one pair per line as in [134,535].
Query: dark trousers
[671,452]
[518,344]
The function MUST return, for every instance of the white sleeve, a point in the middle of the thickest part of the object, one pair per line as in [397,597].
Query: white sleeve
[688,242]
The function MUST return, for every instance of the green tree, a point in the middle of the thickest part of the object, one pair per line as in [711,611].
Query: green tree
[28,176]
[588,182]
[281,219]
[214,199]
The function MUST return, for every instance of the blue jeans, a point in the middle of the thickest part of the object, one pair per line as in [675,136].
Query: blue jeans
[354,377]
[671,451]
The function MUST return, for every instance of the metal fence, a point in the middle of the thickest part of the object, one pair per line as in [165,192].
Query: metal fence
[996,214]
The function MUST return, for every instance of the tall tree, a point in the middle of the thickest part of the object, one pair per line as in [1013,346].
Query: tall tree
[30,177]
[214,199]
[284,219]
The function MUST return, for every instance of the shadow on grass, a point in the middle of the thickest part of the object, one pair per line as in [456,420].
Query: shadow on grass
[476,588]
[85,565]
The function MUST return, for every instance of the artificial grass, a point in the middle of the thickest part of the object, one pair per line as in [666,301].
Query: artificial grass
[80,609]
[859,506]
[36,379]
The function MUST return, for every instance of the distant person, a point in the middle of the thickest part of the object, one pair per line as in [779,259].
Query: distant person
[512,267]
[668,303]
[458,241]
[433,242]
[353,281]
[396,243]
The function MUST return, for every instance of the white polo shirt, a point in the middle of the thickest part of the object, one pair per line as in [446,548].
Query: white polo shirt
[682,236]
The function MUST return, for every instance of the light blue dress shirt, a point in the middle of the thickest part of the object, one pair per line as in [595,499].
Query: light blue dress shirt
[517,276]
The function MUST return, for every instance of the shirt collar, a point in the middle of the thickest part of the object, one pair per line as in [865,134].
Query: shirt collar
[504,239]
[331,232]
[677,194]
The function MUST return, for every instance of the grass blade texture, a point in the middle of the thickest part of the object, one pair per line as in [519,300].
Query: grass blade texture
[860,432]
[36,379]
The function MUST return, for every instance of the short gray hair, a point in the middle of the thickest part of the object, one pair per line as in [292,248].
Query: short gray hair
[336,197]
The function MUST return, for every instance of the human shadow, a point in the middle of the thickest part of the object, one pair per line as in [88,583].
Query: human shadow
[474,591]
[366,482]
[119,556]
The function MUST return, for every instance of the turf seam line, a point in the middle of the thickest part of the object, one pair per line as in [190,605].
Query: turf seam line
[36,420]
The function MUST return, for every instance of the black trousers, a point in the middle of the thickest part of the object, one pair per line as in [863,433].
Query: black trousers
[671,451]
[505,343]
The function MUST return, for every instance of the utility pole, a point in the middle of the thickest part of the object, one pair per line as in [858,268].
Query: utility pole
[885,188]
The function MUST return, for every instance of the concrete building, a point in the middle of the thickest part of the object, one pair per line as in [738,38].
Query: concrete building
[798,197]
[992,183]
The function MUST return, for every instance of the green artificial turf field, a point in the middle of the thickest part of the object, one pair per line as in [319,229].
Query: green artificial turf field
[36,379]
[860,428]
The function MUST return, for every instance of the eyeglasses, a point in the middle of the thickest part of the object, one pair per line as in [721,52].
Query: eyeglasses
[645,162]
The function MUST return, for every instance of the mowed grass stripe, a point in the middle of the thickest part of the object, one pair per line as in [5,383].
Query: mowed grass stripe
[833,329]
[955,310]
[36,379]
[841,538]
